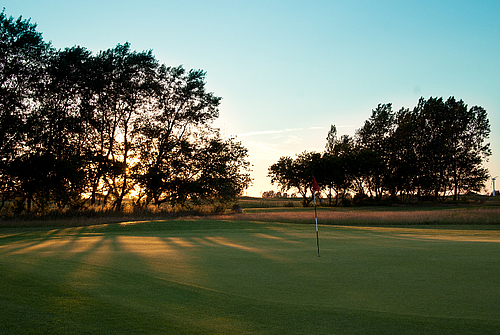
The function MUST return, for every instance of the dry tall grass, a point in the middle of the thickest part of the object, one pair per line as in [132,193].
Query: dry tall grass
[460,216]
[328,216]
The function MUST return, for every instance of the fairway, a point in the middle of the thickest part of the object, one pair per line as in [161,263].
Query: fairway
[204,276]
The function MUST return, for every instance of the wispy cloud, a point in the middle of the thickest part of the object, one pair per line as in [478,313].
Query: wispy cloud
[264,146]
[268,132]
[317,128]
[280,131]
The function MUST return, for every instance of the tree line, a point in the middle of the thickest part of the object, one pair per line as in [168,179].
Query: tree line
[429,152]
[79,129]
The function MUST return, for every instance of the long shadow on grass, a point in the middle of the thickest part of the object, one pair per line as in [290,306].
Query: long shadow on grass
[155,280]
[82,286]
[36,237]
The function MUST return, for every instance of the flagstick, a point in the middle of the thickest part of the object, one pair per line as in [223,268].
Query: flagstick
[316,218]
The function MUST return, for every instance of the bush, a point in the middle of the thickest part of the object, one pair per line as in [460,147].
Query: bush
[218,209]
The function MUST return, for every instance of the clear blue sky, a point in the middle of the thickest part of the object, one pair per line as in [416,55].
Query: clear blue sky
[287,70]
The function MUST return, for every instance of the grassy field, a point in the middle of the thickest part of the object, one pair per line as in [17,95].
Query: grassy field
[256,274]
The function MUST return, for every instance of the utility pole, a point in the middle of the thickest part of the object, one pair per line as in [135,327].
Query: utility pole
[493,181]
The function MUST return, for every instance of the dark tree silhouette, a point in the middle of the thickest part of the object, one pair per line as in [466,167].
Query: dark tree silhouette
[78,128]
[430,152]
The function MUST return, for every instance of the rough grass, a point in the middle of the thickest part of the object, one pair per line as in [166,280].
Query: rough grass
[379,216]
[200,276]
[473,215]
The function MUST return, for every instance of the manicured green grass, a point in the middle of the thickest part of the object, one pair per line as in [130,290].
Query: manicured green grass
[220,276]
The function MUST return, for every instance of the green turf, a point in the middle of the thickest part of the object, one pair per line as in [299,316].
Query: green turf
[222,277]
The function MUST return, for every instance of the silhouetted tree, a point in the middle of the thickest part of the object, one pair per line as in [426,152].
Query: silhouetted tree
[296,173]
[452,147]
[339,164]
[404,164]
[434,150]
[374,155]
[56,130]
[73,124]
[220,172]
[23,55]
[180,116]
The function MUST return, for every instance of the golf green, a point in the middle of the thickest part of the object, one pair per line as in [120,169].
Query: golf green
[216,276]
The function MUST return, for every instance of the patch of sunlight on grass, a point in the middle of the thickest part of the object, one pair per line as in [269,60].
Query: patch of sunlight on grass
[457,237]
[132,223]
[227,243]
[262,252]
[181,242]
[101,252]
[295,233]
[163,257]
[69,231]
[45,247]
[93,251]
[436,234]
[267,236]
[147,246]
[204,241]
[86,244]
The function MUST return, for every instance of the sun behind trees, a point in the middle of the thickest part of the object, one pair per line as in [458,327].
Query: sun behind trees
[427,153]
[80,130]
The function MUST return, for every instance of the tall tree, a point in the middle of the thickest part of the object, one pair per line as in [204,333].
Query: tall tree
[56,129]
[167,135]
[23,55]
[464,134]
[73,124]
[218,173]
[372,140]
[340,163]
[123,92]
[451,146]
[404,144]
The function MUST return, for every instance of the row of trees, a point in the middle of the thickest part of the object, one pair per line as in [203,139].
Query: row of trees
[271,194]
[81,129]
[431,151]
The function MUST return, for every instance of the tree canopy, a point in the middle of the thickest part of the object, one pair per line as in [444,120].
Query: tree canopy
[79,129]
[429,152]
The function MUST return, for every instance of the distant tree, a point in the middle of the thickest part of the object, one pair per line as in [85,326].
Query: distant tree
[332,169]
[405,156]
[435,149]
[339,164]
[372,140]
[271,194]
[296,173]
[453,147]
[268,194]
[331,172]
[331,139]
